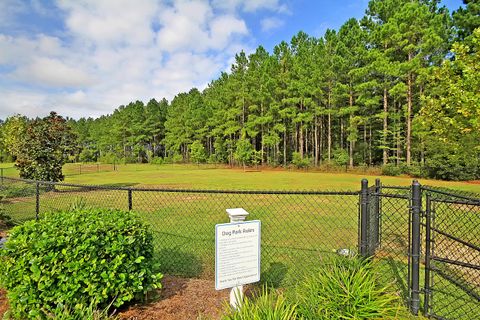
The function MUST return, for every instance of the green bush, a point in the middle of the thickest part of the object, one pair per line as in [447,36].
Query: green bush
[340,157]
[391,170]
[76,259]
[267,306]
[344,288]
[157,160]
[453,166]
[300,162]
[415,170]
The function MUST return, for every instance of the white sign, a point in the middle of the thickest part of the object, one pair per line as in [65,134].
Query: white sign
[237,254]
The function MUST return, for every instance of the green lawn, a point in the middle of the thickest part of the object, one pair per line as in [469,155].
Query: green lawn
[209,177]
[224,178]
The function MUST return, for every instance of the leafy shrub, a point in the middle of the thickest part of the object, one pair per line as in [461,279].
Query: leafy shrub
[340,157]
[177,158]
[87,155]
[157,160]
[267,306]
[446,166]
[77,258]
[299,162]
[344,288]
[415,170]
[108,157]
[391,170]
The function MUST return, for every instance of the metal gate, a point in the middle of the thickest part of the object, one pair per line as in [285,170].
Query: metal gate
[429,241]
[452,255]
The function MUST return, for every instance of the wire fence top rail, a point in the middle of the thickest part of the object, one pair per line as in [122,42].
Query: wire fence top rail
[465,195]
[107,187]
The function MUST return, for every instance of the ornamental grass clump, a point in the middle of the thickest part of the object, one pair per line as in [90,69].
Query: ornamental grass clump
[77,259]
[345,288]
[269,305]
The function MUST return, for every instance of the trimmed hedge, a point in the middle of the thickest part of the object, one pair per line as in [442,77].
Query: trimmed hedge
[75,259]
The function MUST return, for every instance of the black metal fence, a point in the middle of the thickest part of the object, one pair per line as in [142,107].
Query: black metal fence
[429,244]
[296,226]
[427,240]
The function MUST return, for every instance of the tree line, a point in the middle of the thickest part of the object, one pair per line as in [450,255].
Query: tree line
[397,88]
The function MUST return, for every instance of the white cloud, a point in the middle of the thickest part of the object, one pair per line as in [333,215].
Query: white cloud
[271,23]
[114,22]
[193,26]
[250,5]
[52,72]
[112,52]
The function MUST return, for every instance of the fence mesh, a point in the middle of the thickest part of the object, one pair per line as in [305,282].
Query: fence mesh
[394,240]
[299,230]
[453,259]
[296,226]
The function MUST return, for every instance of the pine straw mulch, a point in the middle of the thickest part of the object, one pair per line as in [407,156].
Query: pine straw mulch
[179,299]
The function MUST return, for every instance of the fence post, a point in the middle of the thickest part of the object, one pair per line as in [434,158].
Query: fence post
[130,204]
[37,200]
[415,248]
[1,174]
[427,254]
[378,189]
[364,218]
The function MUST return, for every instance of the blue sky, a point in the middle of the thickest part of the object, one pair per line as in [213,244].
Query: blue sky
[87,57]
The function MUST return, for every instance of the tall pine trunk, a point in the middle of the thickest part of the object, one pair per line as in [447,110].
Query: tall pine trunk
[409,114]
[385,126]
[352,143]
[329,138]
[316,141]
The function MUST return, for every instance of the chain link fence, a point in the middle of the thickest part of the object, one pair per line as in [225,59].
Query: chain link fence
[452,254]
[296,226]
[427,245]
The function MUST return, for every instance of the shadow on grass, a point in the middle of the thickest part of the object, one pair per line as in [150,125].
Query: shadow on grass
[274,275]
[120,184]
[399,271]
[176,262]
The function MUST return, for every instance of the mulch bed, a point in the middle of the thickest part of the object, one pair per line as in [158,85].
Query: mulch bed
[179,299]
[3,303]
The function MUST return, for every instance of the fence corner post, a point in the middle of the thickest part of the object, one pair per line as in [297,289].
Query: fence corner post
[415,248]
[364,218]
[130,202]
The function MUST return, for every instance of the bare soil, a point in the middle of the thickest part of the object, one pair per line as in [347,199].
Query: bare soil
[3,303]
[179,299]
[474,181]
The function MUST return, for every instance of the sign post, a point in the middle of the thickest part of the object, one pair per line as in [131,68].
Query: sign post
[237,254]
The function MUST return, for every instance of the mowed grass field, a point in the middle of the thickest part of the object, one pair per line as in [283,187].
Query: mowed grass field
[224,178]
[298,230]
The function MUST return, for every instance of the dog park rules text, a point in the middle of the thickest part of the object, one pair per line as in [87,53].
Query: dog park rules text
[237,254]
